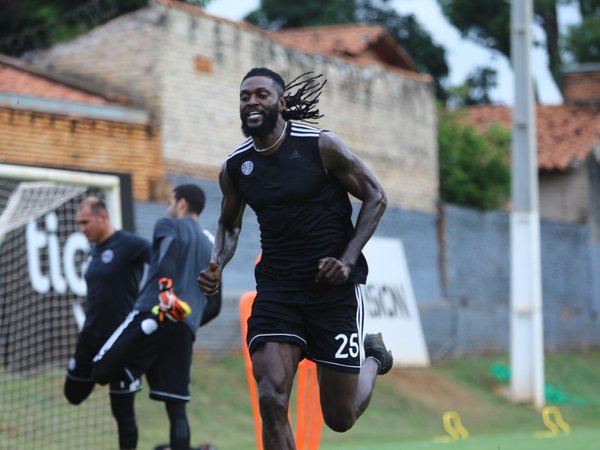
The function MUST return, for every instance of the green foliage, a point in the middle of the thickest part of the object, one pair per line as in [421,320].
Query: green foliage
[34,24]
[583,40]
[474,167]
[405,411]
[486,22]
[275,14]
[475,90]
[429,57]
[587,7]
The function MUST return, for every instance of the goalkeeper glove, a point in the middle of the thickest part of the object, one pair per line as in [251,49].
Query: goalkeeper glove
[169,305]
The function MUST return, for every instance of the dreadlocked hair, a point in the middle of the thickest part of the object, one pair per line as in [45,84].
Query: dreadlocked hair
[302,104]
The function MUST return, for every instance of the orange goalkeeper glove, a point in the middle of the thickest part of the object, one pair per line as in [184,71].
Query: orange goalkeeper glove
[169,305]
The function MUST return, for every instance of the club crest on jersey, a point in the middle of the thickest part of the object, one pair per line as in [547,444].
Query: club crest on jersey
[107,256]
[247,167]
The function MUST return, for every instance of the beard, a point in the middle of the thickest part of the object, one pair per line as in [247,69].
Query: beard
[266,127]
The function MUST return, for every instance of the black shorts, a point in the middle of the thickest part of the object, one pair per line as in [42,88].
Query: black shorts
[164,356]
[79,367]
[326,323]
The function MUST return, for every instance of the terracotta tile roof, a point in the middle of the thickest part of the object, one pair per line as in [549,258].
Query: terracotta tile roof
[15,81]
[362,44]
[18,77]
[566,134]
[357,42]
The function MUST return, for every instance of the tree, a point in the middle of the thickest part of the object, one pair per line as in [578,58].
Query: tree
[275,14]
[474,167]
[582,42]
[487,22]
[475,90]
[35,24]
[428,56]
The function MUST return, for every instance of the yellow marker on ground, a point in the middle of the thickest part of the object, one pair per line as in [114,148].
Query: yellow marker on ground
[453,426]
[554,421]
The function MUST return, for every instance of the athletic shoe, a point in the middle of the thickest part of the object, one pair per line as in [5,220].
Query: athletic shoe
[375,348]
[200,447]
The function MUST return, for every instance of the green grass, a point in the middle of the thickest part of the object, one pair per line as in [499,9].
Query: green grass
[581,439]
[35,414]
[405,412]
[406,409]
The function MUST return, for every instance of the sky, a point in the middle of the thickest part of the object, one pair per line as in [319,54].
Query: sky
[463,56]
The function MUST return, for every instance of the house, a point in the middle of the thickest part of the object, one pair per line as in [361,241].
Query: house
[355,42]
[185,67]
[568,148]
[50,120]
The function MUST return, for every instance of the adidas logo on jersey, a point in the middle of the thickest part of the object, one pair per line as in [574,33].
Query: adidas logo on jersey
[295,155]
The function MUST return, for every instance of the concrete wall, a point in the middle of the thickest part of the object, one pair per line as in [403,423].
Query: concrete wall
[593,169]
[565,196]
[477,267]
[121,55]
[460,272]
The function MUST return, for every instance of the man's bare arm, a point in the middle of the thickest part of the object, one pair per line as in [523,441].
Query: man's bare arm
[226,237]
[359,181]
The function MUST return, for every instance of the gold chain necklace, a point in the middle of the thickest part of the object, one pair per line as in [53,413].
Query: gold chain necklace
[261,150]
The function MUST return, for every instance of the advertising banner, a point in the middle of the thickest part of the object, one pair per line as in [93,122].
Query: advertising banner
[390,305]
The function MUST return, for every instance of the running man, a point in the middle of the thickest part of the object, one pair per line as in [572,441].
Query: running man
[297,179]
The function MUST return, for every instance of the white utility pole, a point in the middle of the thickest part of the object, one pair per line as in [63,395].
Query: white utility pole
[526,318]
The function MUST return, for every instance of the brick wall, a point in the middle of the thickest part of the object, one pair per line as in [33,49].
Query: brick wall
[582,84]
[44,139]
[186,66]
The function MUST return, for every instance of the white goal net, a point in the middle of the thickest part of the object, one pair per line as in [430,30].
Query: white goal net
[42,254]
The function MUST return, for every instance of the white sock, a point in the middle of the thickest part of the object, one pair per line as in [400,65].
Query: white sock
[376,360]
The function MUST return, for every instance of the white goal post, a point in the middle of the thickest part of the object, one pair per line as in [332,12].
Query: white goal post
[43,256]
[109,183]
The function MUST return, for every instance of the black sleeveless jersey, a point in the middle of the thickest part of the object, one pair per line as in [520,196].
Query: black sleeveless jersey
[303,213]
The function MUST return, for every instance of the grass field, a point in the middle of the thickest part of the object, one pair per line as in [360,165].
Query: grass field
[406,409]
[583,439]
[405,413]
